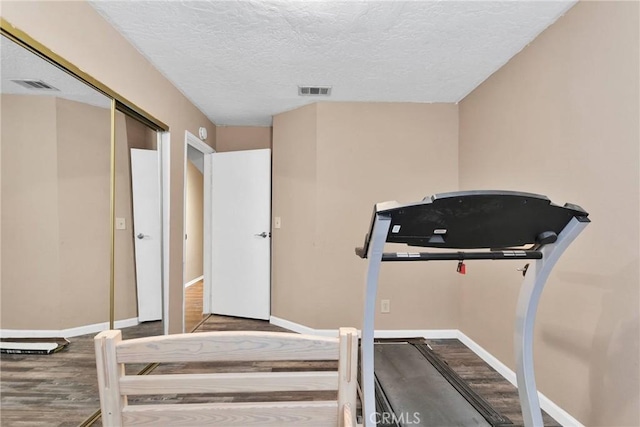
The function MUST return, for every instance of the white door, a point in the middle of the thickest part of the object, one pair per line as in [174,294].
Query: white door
[241,219]
[147,229]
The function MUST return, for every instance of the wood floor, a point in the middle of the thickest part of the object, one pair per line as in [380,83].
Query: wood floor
[484,380]
[61,389]
[193,304]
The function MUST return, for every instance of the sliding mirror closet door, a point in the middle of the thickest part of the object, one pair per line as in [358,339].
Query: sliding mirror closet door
[138,233]
[55,200]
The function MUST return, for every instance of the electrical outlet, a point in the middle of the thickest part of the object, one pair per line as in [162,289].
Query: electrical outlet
[385,306]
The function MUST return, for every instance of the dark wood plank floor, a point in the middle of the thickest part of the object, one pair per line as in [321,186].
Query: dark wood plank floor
[484,380]
[61,389]
[193,306]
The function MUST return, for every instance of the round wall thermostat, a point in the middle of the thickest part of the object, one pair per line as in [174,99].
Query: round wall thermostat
[203,133]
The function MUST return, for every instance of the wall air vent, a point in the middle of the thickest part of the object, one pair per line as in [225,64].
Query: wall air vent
[314,90]
[35,84]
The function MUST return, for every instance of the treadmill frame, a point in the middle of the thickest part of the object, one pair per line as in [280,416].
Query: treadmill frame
[528,299]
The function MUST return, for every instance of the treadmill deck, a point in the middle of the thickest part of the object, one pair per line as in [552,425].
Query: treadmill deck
[416,391]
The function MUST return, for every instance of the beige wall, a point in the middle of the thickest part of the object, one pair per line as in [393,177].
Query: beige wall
[140,136]
[108,57]
[66,198]
[83,135]
[562,119]
[68,171]
[30,250]
[194,222]
[294,188]
[331,163]
[237,138]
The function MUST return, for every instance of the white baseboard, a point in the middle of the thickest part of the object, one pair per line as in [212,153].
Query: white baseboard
[301,329]
[67,333]
[382,333]
[559,414]
[433,334]
[193,282]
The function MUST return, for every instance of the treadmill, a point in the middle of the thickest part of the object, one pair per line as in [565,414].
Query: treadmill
[406,378]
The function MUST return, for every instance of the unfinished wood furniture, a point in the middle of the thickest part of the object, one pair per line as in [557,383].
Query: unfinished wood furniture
[112,353]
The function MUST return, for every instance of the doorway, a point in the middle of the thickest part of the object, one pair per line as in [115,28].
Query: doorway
[237,233]
[197,234]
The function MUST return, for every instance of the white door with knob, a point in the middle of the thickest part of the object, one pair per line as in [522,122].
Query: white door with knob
[147,229]
[241,225]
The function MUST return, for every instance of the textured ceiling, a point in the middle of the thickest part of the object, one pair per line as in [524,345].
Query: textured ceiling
[240,61]
[19,63]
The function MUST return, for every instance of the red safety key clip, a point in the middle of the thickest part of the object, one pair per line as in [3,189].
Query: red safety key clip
[462,269]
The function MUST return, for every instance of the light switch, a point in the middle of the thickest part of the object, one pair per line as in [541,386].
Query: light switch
[385,306]
[276,222]
[120,224]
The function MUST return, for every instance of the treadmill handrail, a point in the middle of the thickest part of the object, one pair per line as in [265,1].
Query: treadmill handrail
[460,256]
[549,228]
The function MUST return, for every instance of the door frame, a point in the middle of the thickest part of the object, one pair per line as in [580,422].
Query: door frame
[207,241]
[164,151]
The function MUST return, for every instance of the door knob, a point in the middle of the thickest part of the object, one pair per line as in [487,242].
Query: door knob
[141,236]
[263,234]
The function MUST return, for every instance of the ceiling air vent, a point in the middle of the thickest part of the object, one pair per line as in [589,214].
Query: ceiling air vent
[314,90]
[34,84]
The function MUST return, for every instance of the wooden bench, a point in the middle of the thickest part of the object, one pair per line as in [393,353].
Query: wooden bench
[112,353]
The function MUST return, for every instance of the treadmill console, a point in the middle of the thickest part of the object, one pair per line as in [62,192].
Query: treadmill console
[476,219]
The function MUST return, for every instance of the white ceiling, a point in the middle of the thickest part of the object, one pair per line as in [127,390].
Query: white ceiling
[19,63]
[240,62]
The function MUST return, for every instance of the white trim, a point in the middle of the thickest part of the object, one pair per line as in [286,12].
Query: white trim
[559,414]
[192,140]
[380,333]
[66,333]
[432,334]
[301,329]
[207,240]
[197,143]
[164,148]
[193,282]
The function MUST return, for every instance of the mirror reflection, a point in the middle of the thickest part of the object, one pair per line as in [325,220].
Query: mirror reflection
[55,252]
[55,179]
[55,197]
[138,234]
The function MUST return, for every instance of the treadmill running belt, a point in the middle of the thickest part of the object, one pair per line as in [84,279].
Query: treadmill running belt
[416,391]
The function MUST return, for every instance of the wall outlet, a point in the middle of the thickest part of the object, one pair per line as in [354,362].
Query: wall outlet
[120,224]
[276,222]
[385,306]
